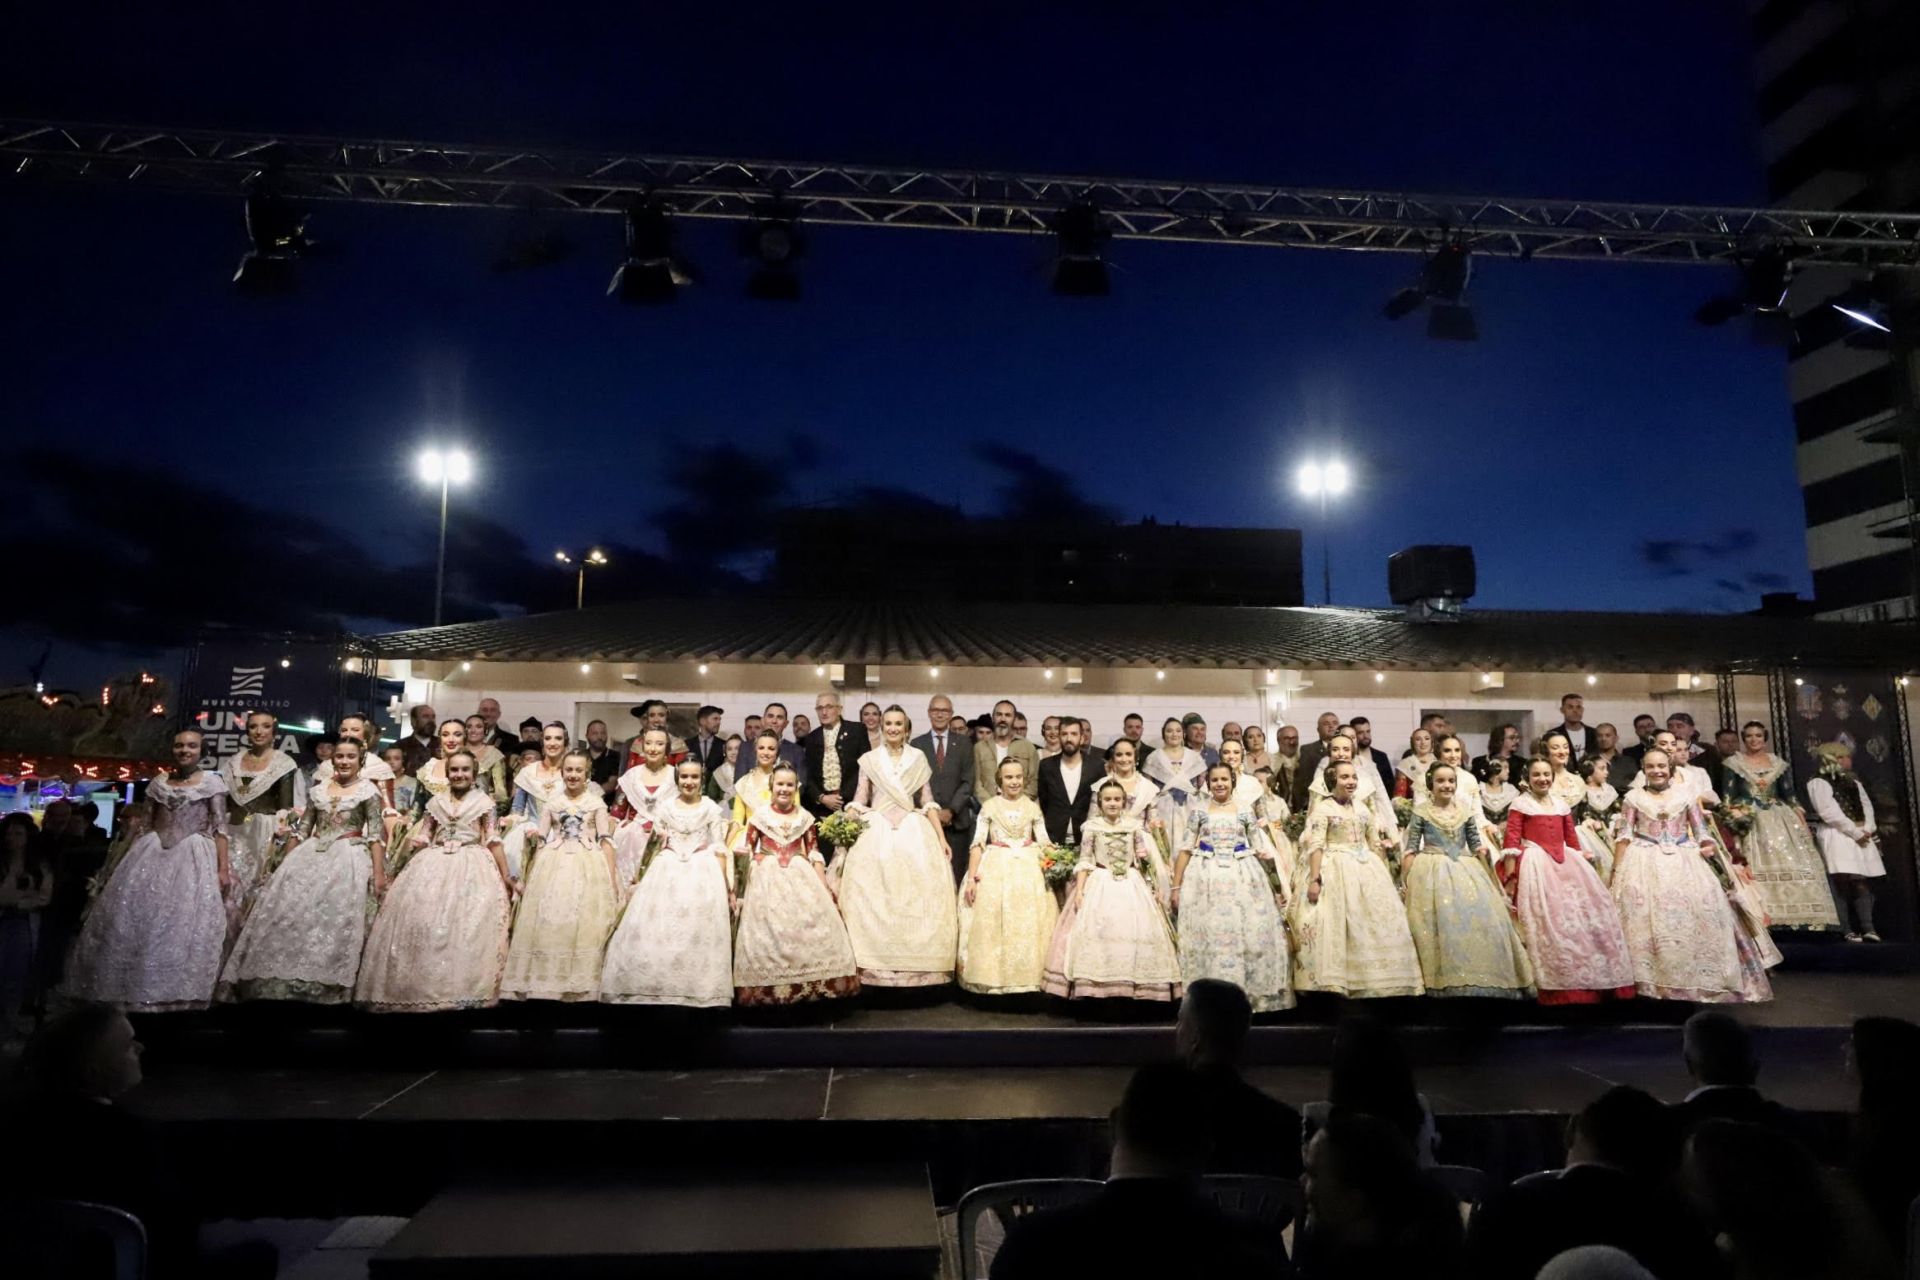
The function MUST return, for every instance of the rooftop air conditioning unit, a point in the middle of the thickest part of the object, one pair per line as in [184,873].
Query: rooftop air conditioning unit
[1431,584]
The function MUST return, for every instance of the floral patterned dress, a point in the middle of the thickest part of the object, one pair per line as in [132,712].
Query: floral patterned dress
[792,945]
[643,793]
[1462,930]
[152,940]
[304,936]
[1779,847]
[440,940]
[674,944]
[1567,917]
[1354,941]
[1683,935]
[567,910]
[1005,933]
[1113,940]
[257,801]
[896,885]
[1229,925]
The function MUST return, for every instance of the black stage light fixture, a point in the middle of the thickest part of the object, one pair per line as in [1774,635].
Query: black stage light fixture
[1444,275]
[277,236]
[651,273]
[1079,267]
[1765,278]
[773,242]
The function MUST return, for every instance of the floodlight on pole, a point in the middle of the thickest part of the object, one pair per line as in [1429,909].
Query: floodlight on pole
[595,557]
[1324,480]
[446,468]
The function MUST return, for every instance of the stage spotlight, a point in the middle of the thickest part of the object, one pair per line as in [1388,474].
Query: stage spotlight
[1080,269]
[651,273]
[1444,276]
[773,241]
[277,233]
[1881,316]
[1764,280]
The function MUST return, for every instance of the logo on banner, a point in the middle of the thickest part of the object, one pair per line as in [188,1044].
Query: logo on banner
[247,682]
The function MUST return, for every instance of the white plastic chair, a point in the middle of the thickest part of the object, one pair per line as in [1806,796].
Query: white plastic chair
[46,1239]
[1466,1184]
[1273,1202]
[985,1213]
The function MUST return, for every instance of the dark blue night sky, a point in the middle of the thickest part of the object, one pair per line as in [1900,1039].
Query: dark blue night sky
[1592,416]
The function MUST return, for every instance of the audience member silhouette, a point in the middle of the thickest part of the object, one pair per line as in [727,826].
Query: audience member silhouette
[1249,1130]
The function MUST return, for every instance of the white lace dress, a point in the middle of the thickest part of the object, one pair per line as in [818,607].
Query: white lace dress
[1113,939]
[257,800]
[152,940]
[646,793]
[1005,933]
[674,944]
[568,907]
[896,887]
[792,945]
[304,936]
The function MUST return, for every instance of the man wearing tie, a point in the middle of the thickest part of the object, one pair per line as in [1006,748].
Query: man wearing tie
[949,748]
[1066,787]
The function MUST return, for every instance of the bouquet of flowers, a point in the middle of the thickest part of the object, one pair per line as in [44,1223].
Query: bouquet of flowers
[1057,861]
[1402,809]
[1738,817]
[1297,823]
[841,829]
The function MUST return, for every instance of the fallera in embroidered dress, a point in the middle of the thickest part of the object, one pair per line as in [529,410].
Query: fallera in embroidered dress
[567,909]
[1143,803]
[1113,940]
[791,945]
[152,941]
[752,790]
[1181,783]
[255,803]
[1594,814]
[308,926]
[1354,941]
[646,793]
[1779,848]
[1229,926]
[896,885]
[533,787]
[1462,930]
[440,940]
[1004,934]
[1567,918]
[1683,936]
[674,943]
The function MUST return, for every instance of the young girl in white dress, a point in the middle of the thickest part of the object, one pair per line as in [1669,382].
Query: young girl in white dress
[429,781]
[533,786]
[791,945]
[1594,814]
[644,790]
[1007,910]
[440,940]
[1113,940]
[675,940]
[1348,919]
[567,909]
[896,886]
[152,939]
[1269,812]
[1227,910]
[1143,794]
[303,939]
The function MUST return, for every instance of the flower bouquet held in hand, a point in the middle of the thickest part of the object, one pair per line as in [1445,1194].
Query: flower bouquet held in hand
[840,829]
[1057,863]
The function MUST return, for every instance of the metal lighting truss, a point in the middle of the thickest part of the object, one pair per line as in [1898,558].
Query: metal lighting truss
[387,172]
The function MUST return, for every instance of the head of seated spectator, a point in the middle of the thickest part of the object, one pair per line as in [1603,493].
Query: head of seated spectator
[1215,1017]
[1625,1129]
[1371,1211]
[1247,1130]
[1157,1128]
[1594,1262]
[1719,1051]
[1774,1212]
[88,1051]
[1372,1075]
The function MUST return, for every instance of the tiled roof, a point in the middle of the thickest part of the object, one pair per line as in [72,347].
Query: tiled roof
[1009,635]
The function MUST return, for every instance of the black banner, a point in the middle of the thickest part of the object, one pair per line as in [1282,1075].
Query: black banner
[298,683]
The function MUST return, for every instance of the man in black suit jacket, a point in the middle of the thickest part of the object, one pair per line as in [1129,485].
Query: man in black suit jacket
[1066,787]
[1620,1151]
[1580,735]
[1720,1058]
[1249,1131]
[846,744]
[1150,1220]
[1644,727]
[1313,757]
[948,747]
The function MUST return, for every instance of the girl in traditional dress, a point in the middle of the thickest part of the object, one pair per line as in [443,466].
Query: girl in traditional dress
[896,889]
[406,787]
[1269,812]
[1258,761]
[429,781]
[1372,803]
[1462,930]
[440,940]
[1410,772]
[1595,814]
[792,945]
[675,940]
[1779,850]
[492,764]
[1848,836]
[1007,911]
[1497,794]
[262,789]
[1113,940]
[303,939]
[1683,935]
[1142,794]
[1227,907]
[567,909]
[153,937]
[373,768]
[754,788]
[723,776]
[1568,786]
[1349,922]
[1181,776]
[1567,918]
[644,790]
[533,787]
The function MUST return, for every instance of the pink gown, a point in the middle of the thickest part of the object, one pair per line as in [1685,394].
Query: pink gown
[1567,917]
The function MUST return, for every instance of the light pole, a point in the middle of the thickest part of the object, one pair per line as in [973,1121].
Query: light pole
[1323,480]
[595,557]
[446,468]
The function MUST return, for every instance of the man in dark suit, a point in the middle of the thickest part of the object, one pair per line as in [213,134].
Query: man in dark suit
[1620,1151]
[1720,1058]
[948,747]
[498,736]
[707,745]
[1313,757]
[1149,1220]
[1644,727]
[832,754]
[1573,723]
[1249,1131]
[1066,787]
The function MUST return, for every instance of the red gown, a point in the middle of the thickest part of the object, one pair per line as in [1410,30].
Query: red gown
[1567,918]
